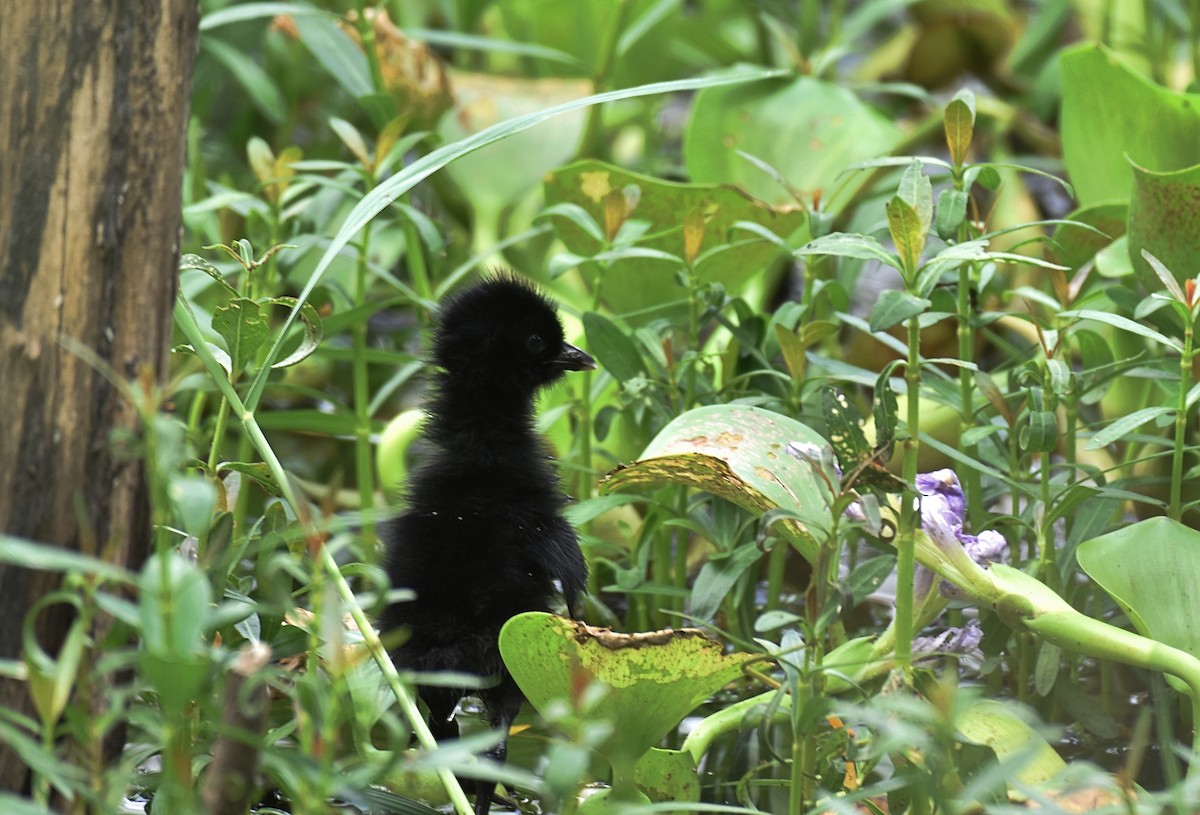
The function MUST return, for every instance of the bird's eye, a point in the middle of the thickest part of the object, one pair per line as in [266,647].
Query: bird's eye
[535,344]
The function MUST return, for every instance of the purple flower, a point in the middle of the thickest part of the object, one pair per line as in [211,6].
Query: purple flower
[962,641]
[942,494]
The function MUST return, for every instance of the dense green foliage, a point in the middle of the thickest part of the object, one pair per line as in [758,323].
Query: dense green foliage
[819,250]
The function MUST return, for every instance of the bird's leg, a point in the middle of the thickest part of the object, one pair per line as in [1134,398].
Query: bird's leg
[485,790]
[441,703]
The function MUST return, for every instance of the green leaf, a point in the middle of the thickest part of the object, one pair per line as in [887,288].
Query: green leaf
[313,331]
[1124,323]
[1099,225]
[417,171]
[1109,113]
[353,140]
[336,52]
[1164,220]
[959,123]
[244,329]
[642,278]
[255,11]
[1125,425]
[737,452]
[908,234]
[717,577]
[49,558]
[828,127]
[175,596]
[917,191]
[850,245]
[894,307]
[254,80]
[652,679]
[1152,569]
[1039,433]
[994,725]
[612,347]
[951,212]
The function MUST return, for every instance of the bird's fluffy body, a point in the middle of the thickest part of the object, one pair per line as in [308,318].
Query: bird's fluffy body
[483,537]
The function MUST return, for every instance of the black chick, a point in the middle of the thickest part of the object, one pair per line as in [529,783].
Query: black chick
[483,537]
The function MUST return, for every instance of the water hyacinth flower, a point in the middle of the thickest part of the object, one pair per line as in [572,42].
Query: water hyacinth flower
[962,641]
[943,513]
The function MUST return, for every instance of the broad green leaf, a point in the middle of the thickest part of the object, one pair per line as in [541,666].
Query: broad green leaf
[612,347]
[737,452]
[908,234]
[809,130]
[1152,569]
[645,281]
[1164,219]
[242,325]
[992,724]
[1125,425]
[894,307]
[959,123]
[1077,245]
[502,174]
[652,679]
[1111,115]
[382,196]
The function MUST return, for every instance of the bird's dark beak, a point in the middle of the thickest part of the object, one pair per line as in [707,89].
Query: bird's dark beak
[572,359]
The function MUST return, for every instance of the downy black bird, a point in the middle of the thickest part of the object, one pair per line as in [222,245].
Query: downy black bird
[483,537]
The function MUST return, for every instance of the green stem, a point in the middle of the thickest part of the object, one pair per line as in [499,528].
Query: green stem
[363,460]
[1181,411]
[909,513]
[591,144]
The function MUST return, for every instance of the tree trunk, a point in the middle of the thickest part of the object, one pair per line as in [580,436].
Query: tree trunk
[94,101]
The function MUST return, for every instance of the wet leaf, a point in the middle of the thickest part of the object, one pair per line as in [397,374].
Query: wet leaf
[736,452]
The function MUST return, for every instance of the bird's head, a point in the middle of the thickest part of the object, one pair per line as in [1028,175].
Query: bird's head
[503,336]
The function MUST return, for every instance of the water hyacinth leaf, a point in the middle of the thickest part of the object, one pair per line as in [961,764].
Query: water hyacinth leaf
[640,281]
[736,452]
[1164,220]
[668,775]
[894,307]
[959,123]
[1152,569]
[810,131]
[908,234]
[652,680]
[242,325]
[1076,245]
[992,724]
[501,174]
[1111,115]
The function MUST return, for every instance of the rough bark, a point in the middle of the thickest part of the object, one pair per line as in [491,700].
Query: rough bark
[94,99]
